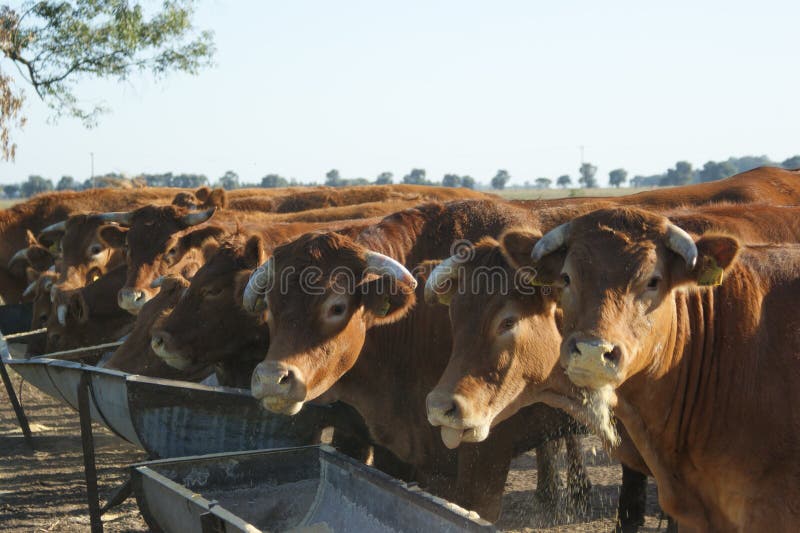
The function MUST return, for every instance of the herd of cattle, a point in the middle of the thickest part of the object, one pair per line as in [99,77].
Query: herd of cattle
[454,330]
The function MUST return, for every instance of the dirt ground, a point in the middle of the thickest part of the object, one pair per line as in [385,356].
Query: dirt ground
[44,489]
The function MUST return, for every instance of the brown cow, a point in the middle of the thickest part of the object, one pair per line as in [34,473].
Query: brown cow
[29,262]
[358,342]
[490,301]
[89,315]
[207,326]
[135,355]
[504,330]
[702,373]
[45,209]
[85,255]
[156,245]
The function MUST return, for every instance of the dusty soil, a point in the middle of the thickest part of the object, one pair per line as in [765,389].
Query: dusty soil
[44,489]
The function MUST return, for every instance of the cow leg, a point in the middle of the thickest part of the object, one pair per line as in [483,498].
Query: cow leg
[482,473]
[353,445]
[387,462]
[632,500]
[547,480]
[578,483]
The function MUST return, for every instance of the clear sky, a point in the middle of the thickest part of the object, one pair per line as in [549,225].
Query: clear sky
[469,87]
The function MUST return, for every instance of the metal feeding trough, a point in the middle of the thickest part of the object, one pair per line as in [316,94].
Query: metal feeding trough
[169,418]
[308,489]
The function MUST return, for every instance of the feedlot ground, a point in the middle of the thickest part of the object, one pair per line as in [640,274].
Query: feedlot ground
[44,489]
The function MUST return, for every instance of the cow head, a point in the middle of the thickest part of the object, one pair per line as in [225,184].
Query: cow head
[505,342]
[202,198]
[616,270]
[38,292]
[35,257]
[86,255]
[135,355]
[323,292]
[154,248]
[89,315]
[208,324]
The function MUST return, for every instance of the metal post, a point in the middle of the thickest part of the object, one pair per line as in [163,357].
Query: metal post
[87,440]
[12,395]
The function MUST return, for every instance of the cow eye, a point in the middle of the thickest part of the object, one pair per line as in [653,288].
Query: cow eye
[653,283]
[43,319]
[338,309]
[95,249]
[565,279]
[213,291]
[506,324]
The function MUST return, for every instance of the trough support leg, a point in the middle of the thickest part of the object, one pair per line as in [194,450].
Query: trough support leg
[119,495]
[87,439]
[12,395]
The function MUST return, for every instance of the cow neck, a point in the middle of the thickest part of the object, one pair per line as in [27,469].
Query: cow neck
[682,411]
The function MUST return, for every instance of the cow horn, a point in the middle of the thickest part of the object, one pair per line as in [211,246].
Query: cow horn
[30,288]
[682,244]
[58,227]
[123,218]
[550,242]
[61,313]
[197,217]
[20,255]
[257,286]
[386,265]
[438,281]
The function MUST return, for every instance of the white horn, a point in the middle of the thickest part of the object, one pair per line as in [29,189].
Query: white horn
[550,242]
[386,265]
[19,256]
[436,288]
[682,244]
[61,312]
[30,289]
[123,218]
[198,217]
[257,286]
[57,227]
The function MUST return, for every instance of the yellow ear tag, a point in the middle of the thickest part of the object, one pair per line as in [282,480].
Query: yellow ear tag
[710,273]
[384,310]
[54,248]
[95,277]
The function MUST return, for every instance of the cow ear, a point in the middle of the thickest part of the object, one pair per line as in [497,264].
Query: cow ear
[716,254]
[40,258]
[517,246]
[113,236]
[386,301]
[206,239]
[254,252]
[31,238]
[217,198]
[202,194]
[77,308]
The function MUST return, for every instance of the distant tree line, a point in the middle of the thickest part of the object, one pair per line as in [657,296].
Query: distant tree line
[681,174]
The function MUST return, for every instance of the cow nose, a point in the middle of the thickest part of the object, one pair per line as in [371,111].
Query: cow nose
[131,300]
[445,409]
[159,341]
[597,348]
[277,380]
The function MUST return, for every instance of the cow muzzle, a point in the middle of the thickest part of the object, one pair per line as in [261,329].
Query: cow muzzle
[592,363]
[160,342]
[280,387]
[451,412]
[132,300]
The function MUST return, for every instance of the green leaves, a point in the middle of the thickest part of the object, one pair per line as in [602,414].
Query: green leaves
[57,43]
